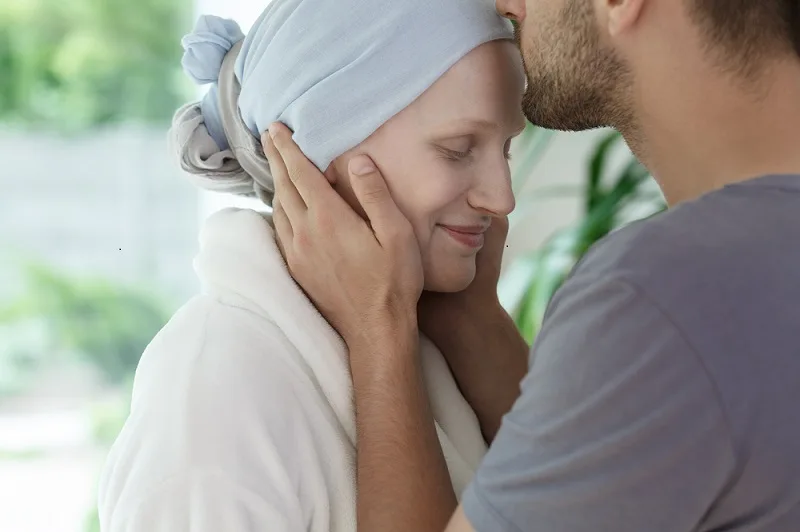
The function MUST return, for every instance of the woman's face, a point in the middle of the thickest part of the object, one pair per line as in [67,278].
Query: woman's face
[445,160]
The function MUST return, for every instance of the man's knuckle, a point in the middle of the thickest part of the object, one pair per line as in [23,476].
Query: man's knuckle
[278,137]
[372,195]
[292,171]
[303,240]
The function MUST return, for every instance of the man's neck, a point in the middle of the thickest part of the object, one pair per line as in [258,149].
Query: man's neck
[703,135]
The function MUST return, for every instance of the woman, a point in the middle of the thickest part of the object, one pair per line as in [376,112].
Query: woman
[242,416]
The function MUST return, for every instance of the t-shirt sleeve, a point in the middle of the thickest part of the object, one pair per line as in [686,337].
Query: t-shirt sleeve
[618,426]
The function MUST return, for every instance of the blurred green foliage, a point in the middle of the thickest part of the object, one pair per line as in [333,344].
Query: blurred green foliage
[75,64]
[108,416]
[107,420]
[92,522]
[108,324]
[23,347]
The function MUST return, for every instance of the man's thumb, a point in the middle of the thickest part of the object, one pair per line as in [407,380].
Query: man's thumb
[372,193]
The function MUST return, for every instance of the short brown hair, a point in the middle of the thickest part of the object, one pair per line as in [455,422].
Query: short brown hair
[748,31]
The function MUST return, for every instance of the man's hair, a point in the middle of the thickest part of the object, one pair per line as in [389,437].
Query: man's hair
[746,32]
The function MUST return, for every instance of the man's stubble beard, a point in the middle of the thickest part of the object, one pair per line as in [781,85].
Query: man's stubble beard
[574,82]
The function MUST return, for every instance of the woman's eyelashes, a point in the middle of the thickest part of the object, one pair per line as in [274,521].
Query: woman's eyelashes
[466,153]
[455,155]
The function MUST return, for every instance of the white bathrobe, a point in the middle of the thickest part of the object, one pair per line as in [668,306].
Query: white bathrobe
[242,414]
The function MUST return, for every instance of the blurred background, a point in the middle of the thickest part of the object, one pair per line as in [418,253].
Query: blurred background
[98,229]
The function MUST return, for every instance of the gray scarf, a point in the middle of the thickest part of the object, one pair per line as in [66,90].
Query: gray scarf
[240,169]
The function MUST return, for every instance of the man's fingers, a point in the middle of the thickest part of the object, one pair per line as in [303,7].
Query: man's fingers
[373,195]
[290,199]
[498,233]
[490,257]
[309,182]
[283,228]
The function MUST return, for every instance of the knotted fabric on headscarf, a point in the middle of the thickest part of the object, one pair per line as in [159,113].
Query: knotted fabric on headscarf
[332,71]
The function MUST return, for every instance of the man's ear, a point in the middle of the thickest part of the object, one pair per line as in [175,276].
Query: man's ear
[619,16]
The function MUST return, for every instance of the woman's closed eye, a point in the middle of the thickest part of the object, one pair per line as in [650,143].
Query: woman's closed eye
[462,155]
[455,155]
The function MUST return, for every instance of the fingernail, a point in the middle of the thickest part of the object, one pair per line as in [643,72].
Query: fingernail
[273,130]
[361,165]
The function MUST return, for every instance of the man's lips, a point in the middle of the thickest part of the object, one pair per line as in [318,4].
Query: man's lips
[467,235]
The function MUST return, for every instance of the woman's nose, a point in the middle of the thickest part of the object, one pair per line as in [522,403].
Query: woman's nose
[493,194]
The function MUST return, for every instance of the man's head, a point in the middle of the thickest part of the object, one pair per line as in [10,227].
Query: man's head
[589,60]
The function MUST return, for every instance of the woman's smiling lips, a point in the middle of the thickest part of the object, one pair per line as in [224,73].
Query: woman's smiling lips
[467,235]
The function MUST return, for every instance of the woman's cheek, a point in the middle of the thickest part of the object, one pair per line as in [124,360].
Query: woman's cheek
[448,190]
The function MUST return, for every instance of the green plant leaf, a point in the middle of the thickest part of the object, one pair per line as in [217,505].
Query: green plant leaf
[597,167]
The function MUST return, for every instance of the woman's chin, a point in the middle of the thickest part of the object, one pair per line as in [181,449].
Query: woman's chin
[449,281]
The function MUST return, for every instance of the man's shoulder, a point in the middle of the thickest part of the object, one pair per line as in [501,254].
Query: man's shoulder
[704,236]
[664,244]
[670,256]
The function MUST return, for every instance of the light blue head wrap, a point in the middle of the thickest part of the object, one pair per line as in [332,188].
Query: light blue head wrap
[332,70]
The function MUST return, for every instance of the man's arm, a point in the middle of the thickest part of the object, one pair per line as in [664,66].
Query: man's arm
[485,352]
[403,482]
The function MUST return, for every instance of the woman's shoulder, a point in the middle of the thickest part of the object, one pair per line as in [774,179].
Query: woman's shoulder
[218,390]
[220,380]
[225,353]
[206,330]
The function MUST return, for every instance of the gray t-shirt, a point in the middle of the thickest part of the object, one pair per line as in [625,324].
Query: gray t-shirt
[664,388]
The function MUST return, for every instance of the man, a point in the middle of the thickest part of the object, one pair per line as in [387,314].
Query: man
[663,390]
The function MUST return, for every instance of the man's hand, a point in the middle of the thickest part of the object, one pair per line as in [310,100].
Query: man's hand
[363,276]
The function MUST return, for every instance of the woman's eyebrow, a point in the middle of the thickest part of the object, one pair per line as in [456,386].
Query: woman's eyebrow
[479,123]
[463,128]
[456,127]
